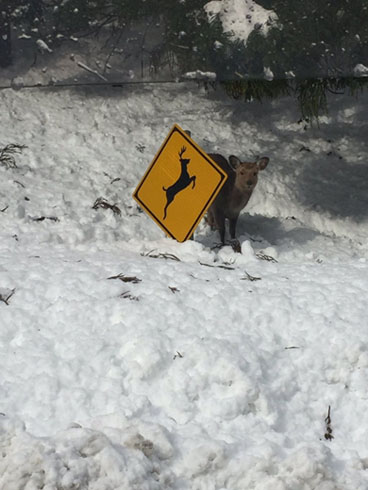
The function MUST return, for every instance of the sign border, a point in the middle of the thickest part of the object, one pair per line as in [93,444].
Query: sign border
[177,128]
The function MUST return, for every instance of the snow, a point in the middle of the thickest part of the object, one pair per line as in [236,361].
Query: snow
[131,361]
[268,74]
[199,75]
[360,70]
[240,17]
[43,47]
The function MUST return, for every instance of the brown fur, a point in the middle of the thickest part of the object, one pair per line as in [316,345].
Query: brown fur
[236,192]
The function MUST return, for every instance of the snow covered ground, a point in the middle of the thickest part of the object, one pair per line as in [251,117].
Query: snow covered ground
[207,369]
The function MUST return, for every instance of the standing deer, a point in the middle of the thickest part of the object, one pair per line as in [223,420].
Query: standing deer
[183,181]
[235,194]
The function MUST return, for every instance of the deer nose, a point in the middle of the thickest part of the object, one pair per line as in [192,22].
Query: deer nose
[250,183]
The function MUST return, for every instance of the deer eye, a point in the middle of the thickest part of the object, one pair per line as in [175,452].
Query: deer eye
[255,173]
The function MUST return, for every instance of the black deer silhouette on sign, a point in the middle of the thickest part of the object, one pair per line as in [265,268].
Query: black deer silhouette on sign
[183,181]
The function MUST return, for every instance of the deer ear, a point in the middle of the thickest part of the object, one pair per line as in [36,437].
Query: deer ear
[234,161]
[262,163]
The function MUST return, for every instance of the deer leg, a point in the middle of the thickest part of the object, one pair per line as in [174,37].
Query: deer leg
[220,224]
[210,219]
[233,222]
[234,241]
[193,179]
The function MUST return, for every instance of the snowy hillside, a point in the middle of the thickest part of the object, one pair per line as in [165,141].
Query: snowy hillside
[130,361]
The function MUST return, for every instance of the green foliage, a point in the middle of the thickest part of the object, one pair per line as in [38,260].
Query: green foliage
[196,42]
[188,36]
[20,16]
[312,38]
[72,16]
[256,89]
[5,33]
[311,49]
[312,98]
[310,93]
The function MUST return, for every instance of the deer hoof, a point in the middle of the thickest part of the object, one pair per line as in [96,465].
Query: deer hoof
[235,245]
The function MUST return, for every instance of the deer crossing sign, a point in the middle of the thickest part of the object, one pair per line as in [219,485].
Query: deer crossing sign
[179,185]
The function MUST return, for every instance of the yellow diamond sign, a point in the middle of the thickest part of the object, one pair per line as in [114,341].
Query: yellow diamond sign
[179,185]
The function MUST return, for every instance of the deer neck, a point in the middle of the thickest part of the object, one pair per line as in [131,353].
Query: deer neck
[240,197]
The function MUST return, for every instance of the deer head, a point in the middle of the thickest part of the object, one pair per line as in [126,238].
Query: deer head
[247,172]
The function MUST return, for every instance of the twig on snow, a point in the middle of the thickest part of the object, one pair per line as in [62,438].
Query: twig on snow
[328,433]
[127,295]
[19,183]
[7,154]
[5,295]
[102,203]
[218,266]
[248,277]
[261,255]
[160,255]
[42,218]
[124,278]
[91,70]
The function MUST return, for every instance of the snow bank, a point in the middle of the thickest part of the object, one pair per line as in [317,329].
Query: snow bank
[131,361]
[241,17]
[74,458]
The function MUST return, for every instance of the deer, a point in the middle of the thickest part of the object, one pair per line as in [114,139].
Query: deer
[235,193]
[182,183]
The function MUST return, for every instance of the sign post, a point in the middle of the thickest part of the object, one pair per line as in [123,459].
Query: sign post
[179,185]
